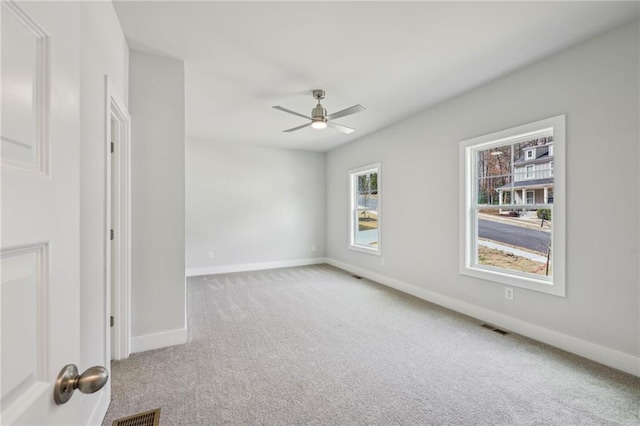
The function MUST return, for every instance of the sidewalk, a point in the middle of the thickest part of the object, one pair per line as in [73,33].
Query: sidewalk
[526,254]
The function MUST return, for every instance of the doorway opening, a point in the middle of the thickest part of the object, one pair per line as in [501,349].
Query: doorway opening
[118,222]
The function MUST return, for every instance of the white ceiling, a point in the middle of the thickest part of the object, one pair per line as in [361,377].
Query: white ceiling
[395,59]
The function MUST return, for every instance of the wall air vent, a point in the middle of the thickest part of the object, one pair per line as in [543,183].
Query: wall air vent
[492,328]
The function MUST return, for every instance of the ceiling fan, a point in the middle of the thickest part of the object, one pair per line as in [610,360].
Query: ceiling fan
[320,119]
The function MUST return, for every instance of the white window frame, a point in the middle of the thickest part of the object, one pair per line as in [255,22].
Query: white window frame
[468,265]
[529,171]
[353,204]
[533,196]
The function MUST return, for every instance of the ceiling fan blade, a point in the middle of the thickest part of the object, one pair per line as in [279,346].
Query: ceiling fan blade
[297,128]
[340,128]
[292,112]
[345,112]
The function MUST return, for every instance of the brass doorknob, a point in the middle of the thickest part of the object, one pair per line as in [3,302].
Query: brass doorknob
[92,380]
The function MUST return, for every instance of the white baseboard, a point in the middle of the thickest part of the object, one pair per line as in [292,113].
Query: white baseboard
[225,269]
[603,355]
[158,340]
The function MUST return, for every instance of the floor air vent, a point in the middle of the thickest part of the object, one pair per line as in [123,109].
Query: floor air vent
[492,328]
[148,418]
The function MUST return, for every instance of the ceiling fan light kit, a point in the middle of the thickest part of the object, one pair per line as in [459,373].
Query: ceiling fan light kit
[319,124]
[320,119]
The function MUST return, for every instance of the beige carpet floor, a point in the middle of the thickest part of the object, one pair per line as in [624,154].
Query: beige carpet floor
[315,346]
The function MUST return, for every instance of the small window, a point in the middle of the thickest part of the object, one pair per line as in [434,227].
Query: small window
[512,229]
[551,169]
[364,214]
[531,197]
[529,172]
[530,154]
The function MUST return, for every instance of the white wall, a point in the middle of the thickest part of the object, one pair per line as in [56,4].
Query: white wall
[103,51]
[596,85]
[253,207]
[156,105]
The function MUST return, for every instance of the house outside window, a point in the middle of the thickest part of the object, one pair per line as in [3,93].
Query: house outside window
[364,213]
[513,208]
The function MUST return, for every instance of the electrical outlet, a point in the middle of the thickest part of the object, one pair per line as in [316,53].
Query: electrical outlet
[210,255]
[382,261]
[313,247]
[508,293]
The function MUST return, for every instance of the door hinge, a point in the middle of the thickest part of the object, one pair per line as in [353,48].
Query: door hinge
[111,321]
[112,235]
[113,147]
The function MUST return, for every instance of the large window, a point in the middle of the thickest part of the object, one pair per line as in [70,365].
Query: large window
[364,215]
[512,218]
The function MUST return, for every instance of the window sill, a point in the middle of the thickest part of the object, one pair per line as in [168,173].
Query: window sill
[363,249]
[510,279]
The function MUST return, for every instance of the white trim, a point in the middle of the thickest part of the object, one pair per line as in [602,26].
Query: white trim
[368,250]
[593,351]
[114,109]
[225,269]
[160,340]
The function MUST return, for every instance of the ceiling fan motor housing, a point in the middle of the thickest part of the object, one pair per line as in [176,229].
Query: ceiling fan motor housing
[319,113]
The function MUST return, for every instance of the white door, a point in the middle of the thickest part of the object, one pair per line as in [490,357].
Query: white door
[40,210]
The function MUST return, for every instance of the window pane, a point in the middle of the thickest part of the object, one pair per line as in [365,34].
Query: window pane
[373,180]
[366,232]
[494,173]
[515,240]
[367,191]
[519,173]
[368,182]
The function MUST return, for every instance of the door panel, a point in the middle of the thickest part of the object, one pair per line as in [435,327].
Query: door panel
[40,209]
[23,294]
[24,79]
